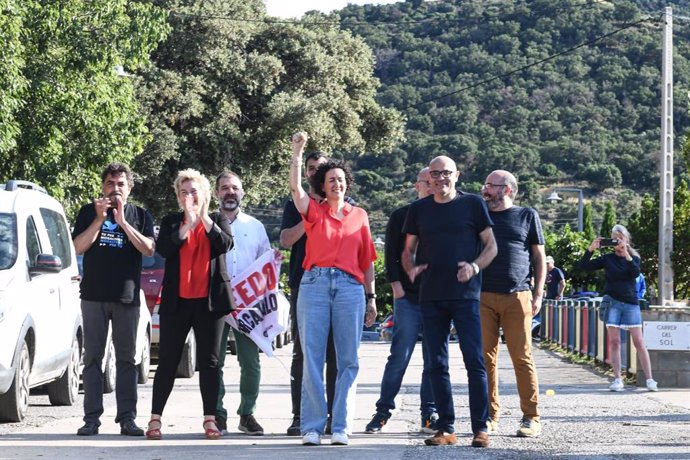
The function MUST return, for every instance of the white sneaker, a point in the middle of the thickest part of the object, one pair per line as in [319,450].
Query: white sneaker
[311,439]
[617,385]
[339,439]
[652,385]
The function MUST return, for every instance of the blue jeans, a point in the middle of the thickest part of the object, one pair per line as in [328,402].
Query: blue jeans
[407,326]
[437,316]
[329,296]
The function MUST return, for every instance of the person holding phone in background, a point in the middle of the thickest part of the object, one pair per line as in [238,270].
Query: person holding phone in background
[621,269]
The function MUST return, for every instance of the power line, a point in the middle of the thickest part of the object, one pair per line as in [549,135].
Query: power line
[533,64]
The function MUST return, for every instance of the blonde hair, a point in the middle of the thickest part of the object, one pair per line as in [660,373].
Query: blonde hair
[193,175]
[621,230]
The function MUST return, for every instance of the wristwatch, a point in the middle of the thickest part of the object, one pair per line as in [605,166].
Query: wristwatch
[475,268]
[370,295]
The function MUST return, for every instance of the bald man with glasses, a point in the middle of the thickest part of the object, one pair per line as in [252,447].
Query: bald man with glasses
[449,241]
[507,299]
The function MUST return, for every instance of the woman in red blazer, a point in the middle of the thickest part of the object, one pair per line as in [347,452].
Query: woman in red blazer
[196,294]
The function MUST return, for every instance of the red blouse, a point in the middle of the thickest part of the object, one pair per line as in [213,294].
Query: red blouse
[345,244]
[195,264]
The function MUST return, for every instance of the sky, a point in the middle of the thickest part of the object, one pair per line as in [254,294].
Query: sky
[296,8]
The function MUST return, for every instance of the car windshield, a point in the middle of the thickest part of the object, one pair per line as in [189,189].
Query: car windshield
[151,262]
[8,240]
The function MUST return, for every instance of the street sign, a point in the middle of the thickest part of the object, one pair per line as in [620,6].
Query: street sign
[666,335]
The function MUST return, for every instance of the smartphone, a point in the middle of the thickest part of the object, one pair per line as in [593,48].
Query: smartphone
[610,242]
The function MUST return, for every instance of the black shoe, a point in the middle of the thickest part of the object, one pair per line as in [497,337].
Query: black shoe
[222,424]
[250,426]
[329,424]
[294,430]
[89,429]
[129,428]
[377,423]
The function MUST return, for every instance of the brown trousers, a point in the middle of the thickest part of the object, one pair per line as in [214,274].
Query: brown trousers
[514,313]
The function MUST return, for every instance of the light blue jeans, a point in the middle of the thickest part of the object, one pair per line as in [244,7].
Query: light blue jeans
[329,296]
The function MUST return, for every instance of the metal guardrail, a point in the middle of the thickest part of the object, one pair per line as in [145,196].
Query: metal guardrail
[575,326]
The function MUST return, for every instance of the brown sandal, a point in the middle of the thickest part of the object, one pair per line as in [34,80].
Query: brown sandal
[152,432]
[211,430]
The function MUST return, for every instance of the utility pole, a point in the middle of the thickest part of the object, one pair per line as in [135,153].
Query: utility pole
[666,166]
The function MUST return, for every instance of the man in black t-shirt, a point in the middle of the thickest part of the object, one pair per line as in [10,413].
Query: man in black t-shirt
[449,240]
[507,300]
[112,234]
[292,237]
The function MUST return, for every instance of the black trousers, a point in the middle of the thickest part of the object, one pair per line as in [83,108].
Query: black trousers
[298,362]
[174,327]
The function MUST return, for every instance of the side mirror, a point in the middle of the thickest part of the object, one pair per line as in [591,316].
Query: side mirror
[46,263]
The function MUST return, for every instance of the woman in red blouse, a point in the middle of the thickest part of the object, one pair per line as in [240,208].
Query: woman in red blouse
[338,277]
[196,294]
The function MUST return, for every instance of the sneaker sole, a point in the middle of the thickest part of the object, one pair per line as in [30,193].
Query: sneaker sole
[250,433]
[426,430]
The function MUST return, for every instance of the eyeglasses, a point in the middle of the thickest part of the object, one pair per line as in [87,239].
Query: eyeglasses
[489,184]
[444,173]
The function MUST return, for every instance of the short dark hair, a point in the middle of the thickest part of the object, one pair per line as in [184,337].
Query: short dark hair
[319,177]
[117,169]
[315,156]
[227,173]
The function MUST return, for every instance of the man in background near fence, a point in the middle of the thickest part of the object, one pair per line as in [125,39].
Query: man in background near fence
[507,300]
[407,325]
[555,280]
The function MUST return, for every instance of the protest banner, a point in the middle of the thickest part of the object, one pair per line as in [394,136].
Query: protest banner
[262,310]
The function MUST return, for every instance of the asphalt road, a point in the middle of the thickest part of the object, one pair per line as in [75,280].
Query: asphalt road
[581,420]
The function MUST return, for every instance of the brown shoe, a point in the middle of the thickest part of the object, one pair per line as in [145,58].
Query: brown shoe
[481,439]
[441,438]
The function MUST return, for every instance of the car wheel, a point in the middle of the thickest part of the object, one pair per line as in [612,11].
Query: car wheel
[279,341]
[232,346]
[145,365]
[109,372]
[187,365]
[15,403]
[64,391]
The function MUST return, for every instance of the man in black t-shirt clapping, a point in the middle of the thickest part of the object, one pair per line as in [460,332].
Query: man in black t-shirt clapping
[112,234]
[507,299]
[449,241]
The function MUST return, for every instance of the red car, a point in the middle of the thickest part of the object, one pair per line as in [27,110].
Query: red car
[152,269]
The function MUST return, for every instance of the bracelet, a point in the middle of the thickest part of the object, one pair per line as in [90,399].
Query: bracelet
[475,268]
[370,296]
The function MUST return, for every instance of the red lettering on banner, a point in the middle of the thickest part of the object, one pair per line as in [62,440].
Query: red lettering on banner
[270,274]
[245,295]
[257,282]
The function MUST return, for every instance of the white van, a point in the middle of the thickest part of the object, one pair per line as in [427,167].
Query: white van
[40,316]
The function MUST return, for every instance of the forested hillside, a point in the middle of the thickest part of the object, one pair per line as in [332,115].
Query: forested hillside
[506,84]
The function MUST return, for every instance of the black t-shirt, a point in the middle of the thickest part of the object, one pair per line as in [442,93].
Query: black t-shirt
[292,217]
[620,274]
[553,280]
[298,251]
[395,243]
[448,233]
[516,230]
[112,265]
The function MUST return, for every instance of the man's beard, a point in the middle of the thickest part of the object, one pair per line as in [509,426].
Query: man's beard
[230,204]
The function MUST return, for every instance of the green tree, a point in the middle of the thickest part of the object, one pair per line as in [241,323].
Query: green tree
[644,229]
[213,106]
[75,113]
[608,221]
[567,248]
[12,81]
